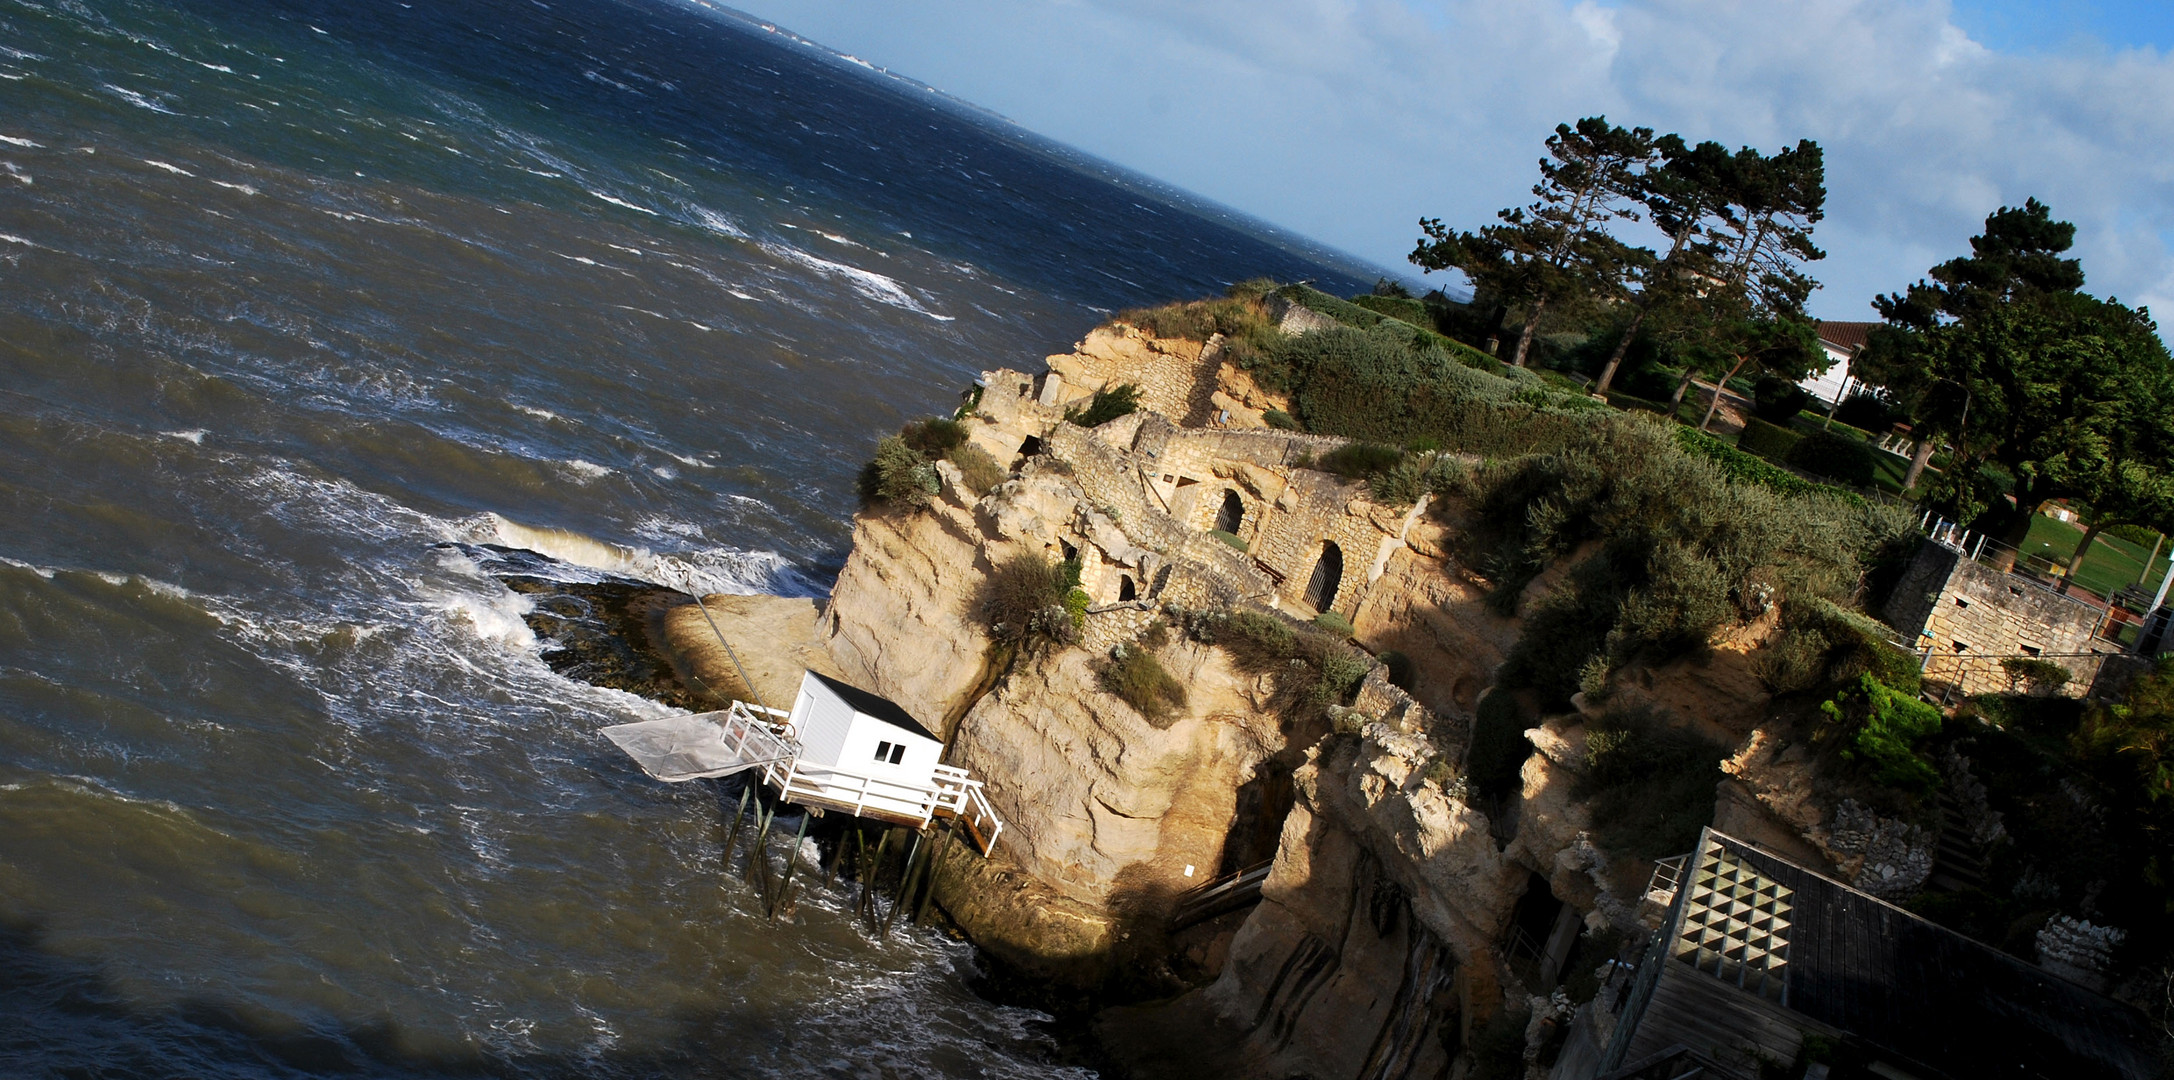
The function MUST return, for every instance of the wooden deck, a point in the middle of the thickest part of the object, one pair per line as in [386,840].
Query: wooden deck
[744,737]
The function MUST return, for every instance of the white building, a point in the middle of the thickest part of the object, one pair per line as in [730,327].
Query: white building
[1840,340]
[856,747]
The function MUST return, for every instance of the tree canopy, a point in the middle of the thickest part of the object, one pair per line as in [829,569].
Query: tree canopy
[2002,353]
[1559,248]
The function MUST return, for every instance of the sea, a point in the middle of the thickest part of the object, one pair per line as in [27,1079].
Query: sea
[311,308]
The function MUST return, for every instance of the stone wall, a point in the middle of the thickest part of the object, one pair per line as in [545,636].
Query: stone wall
[1965,616]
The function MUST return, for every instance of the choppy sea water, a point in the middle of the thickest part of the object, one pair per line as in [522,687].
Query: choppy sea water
[296,300]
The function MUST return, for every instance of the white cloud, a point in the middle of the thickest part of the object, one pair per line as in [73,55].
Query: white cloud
[1347,120]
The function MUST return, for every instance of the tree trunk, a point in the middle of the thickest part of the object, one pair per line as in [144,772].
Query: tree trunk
[2012,535]
[1524,336]
[1719,387]
[1676,398]
[2083,548]
[1920,456]
[1615,359]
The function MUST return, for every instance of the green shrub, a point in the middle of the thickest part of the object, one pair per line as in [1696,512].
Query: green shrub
[2142,536]
[1499,748]
[1257,643]
[1334,624]
[1766,440]
[1024,601]
[898,476]
[1837,457]
[1359,460]
[1313,669]
[1277,418]
[1232,539]
[1865,410]
[1076,603]
[1880,727]
[1746,469]
[1638,404]
[979,471]
[1796,662]
[1136,676]
[1403,308]
[2035,675]
[1651,785]
[935,436]
[1108,404]
[1775,399]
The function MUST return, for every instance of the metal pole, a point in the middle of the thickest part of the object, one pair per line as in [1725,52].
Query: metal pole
[735,656]
[2156,602]
[792,861]
[733,838]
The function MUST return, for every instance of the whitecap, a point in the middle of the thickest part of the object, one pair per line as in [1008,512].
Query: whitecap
[837,239]
[665,472]
[10,238]
[45,572]
[13,76]
[13,53]
[194,435]
[696,572]
[243,188]
[716,222]
[175,169]
[542,414]
[587,470]
[24,143]
[136,99]
[495,618]
[739,294]
[868,283]
[698,326]
[620,202]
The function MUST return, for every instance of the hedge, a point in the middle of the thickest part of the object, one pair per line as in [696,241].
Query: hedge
[1746,469]
[1350,314]
[1837,456]
[1766,440]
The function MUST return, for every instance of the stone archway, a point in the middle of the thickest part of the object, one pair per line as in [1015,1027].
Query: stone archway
[1328,573]
[1232,514]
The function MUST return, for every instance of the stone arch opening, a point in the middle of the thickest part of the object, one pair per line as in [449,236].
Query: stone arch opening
[1232,514]
[1328,572]
[1031,447]
[1126,590]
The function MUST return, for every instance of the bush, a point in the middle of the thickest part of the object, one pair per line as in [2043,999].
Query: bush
[2034,675]
[1313,669]
[1024,601]
[1277,418]
[1865,410]
[1233,539]
[1838,457]
[979,471]
[1358,461]
[1108,404]
[1796,662]
[1334,624]
[898,476]
[1651,785]
[1776,400]
[1766,440]
[1136,676]
[934,437]
[1879,727]
[1402,308]
[1746,469]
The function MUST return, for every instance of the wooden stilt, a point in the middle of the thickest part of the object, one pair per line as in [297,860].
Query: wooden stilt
[905,882]
[860,863]
[732,838]
[830,876]
[755,854]
[792,862]
[868,880]
[935,861]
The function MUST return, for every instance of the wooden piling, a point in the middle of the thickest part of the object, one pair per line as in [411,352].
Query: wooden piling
[868,879]
[792,862]
[732,838]
[935,863]
[755,855]
[905,881]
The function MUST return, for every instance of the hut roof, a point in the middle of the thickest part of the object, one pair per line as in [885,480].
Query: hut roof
[874,705]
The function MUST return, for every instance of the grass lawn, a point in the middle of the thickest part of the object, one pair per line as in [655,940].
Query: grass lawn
[2113,564]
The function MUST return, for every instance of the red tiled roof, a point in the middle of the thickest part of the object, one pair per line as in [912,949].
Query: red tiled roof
[1847,336]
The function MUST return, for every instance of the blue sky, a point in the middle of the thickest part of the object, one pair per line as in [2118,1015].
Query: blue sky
[1347,120]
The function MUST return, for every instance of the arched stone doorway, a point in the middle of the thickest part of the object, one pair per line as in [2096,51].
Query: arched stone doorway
[1328,572]
[1233,513]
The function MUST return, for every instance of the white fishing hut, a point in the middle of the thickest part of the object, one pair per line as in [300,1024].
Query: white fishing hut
[840,748]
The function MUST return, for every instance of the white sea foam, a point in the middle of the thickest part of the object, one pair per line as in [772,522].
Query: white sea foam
[45,572]
[837,239]
[868,283]
[716,222]
[492,618]
[698,572]
[10,238]
[175,169]
[136,99]
[542,414]
[194,435]
[243,188]
[13,53]
[620,202]
[13,76]
[665,472]
[24,143]
[587,470]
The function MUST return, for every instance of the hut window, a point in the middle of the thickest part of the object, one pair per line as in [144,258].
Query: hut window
[1125,589]
[898,753]
[883,751]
